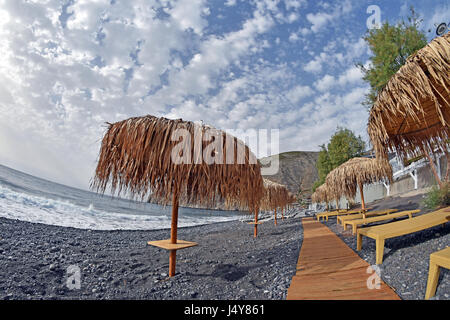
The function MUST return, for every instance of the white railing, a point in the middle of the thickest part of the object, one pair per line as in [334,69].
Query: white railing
[401,171]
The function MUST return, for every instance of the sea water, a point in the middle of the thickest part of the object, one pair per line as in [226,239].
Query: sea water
[29,198]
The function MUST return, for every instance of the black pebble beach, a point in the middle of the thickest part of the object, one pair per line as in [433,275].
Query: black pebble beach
[227,264]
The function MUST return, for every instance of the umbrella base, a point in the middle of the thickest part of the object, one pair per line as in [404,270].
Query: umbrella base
[167,245]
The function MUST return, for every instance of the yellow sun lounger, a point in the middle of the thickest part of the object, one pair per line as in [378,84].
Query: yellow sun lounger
[400,228]
[323,215]
[326,215]
[341,219]
[358,222]
[437,259]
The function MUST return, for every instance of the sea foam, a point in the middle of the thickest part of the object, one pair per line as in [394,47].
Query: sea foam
[32,208]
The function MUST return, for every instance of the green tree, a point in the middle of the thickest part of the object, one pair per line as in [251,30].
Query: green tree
[323,166]
[343,146]
[391,45]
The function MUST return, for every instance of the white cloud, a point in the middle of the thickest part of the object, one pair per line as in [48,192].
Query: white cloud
[315,121]
[298,93]
[105,61]
[24,150]
[350,76]
[292,17]
[230,3]
[293,37]
[325,83]
[63,83]
[294,4]
[439,14]
[315,65]
[321,19]
[318,20]
[215,55]
[64,76]
[331,110]
[305,31]
[354,49]
[342,52]
[186,14]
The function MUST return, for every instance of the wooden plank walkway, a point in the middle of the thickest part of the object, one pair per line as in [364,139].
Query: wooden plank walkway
[328,269]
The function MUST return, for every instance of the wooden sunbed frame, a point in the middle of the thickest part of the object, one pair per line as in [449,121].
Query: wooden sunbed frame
[400,228]
[341,219]
[358,222]
[437,260]
[326,215]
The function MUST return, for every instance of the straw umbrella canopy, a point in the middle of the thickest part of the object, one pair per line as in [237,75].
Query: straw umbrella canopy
[411,115]
[322,194]
[276,196]
[291,199]
[355,173]
[157,157]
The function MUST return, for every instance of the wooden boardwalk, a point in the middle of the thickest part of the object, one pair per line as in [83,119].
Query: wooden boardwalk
[327,269]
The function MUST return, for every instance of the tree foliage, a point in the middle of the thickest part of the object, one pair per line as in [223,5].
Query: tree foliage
[391,45]
[343,146]
[323,166]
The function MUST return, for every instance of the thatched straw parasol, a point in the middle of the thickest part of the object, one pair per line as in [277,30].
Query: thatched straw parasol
[291,199]
[322,194]
[355,173]
[162,158]
[412,113]
[276,196]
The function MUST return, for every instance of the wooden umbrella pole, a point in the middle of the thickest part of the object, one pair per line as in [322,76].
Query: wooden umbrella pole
[275,216]
[447,170]
[363,204]
[255,230]
[173,235]
[433,169]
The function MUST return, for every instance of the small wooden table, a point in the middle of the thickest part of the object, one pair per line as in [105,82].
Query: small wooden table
[172,247]
[167,245]
[255,229]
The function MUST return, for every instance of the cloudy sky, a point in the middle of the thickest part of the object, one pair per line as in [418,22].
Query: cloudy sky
[68,66]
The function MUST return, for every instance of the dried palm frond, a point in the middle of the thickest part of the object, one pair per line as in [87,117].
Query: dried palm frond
[137,158]
[276,196]
[356,172]
[412,113]
[322,194]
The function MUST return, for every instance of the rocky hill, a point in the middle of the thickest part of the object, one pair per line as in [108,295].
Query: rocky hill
[297,170]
